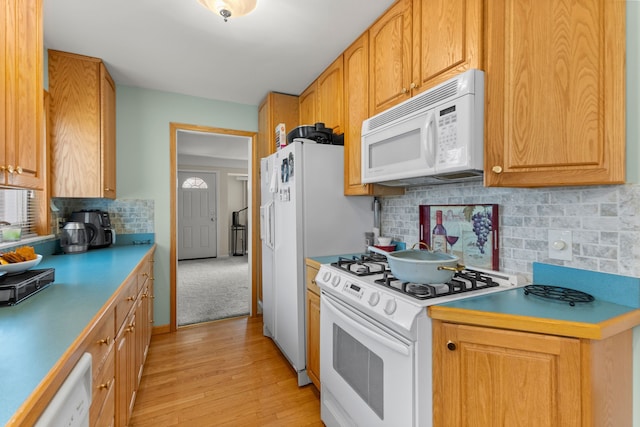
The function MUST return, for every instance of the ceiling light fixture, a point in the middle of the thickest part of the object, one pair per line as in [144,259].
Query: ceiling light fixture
[229,8]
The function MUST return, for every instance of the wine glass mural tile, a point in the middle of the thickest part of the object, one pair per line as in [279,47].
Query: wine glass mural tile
[469,231]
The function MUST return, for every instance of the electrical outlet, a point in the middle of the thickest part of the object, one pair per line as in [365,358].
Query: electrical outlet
[560,244]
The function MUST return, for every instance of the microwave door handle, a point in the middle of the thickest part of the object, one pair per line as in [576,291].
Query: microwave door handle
[429,140]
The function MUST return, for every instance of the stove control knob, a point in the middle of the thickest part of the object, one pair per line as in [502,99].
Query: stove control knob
[390,307]
[326,276]
[336,281]
[374,298]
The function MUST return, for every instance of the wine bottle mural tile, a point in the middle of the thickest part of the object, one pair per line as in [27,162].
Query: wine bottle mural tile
[468,231]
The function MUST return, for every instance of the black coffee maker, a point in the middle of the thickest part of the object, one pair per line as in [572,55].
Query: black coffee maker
[98,225]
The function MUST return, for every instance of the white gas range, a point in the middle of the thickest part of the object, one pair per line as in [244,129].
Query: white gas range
[375,340]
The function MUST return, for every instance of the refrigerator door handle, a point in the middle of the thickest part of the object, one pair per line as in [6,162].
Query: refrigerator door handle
[266,224]
[262,222]
[271,235]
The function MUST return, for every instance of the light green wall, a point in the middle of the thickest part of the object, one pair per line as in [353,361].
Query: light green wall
[142,135]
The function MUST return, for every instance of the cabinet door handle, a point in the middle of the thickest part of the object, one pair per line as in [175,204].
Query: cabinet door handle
[404,90]
[105,341]
[413,85]
[451,345]
[496,169]
[105,386]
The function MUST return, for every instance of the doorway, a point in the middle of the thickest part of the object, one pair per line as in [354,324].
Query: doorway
[205,235]
[197,215]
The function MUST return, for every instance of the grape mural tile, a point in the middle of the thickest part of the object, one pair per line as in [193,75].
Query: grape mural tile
[471,232]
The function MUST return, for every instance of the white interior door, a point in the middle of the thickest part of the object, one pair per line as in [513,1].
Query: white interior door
[197,215]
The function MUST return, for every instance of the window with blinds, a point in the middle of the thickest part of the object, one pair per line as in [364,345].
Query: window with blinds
[18,208]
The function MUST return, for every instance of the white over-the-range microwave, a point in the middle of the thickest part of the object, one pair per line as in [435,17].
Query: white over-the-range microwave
[436,137]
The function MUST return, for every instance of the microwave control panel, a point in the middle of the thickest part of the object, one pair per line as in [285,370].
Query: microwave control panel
[448,147]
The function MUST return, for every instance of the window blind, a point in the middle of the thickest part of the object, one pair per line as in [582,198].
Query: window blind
[18,208]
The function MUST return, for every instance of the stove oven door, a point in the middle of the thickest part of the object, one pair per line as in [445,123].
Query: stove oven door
[366,370]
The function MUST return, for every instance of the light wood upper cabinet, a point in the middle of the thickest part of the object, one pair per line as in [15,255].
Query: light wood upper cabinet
[390,47]
[275,108]
[330,95]
[356,108]
[447,40]
[108,131]
[82,127]
[555,93]
[322,100]
[541,380]
[417,44]
[22,149]
[308,105]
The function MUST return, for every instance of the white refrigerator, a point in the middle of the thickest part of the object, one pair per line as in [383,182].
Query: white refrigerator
[303,213]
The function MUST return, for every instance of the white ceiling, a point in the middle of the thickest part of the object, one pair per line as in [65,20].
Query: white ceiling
[179,46]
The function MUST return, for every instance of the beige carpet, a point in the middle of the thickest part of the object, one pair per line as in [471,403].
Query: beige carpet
[212,289]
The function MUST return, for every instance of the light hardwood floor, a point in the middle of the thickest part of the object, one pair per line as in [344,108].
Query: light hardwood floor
[223,373]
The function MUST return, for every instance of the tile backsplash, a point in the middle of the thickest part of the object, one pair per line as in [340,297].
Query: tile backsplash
[128,216]
[604,222]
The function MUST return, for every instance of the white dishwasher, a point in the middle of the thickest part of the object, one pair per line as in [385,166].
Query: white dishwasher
[70,406]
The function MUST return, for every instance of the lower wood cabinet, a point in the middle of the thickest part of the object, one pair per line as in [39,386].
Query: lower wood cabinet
[119,344]
[125,372]
[529,379]
[100,344]
[102,411]
[313,325]
[132,340]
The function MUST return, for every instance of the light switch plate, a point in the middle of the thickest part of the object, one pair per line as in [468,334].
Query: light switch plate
[560,245]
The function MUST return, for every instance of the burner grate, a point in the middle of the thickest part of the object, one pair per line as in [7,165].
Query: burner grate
[464,281]
[558,293]
[363,265]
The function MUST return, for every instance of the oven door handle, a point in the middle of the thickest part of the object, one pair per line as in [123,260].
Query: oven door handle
[357,324]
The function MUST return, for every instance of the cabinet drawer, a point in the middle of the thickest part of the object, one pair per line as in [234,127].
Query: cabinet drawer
[107,416]
[100,341]
[102,402]
[126,300]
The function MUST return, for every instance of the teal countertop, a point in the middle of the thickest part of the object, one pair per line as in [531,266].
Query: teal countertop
[328,259]
[515,302]
[614,309]
[35,333]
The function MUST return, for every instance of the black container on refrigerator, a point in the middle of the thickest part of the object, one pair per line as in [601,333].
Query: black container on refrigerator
[98,225]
